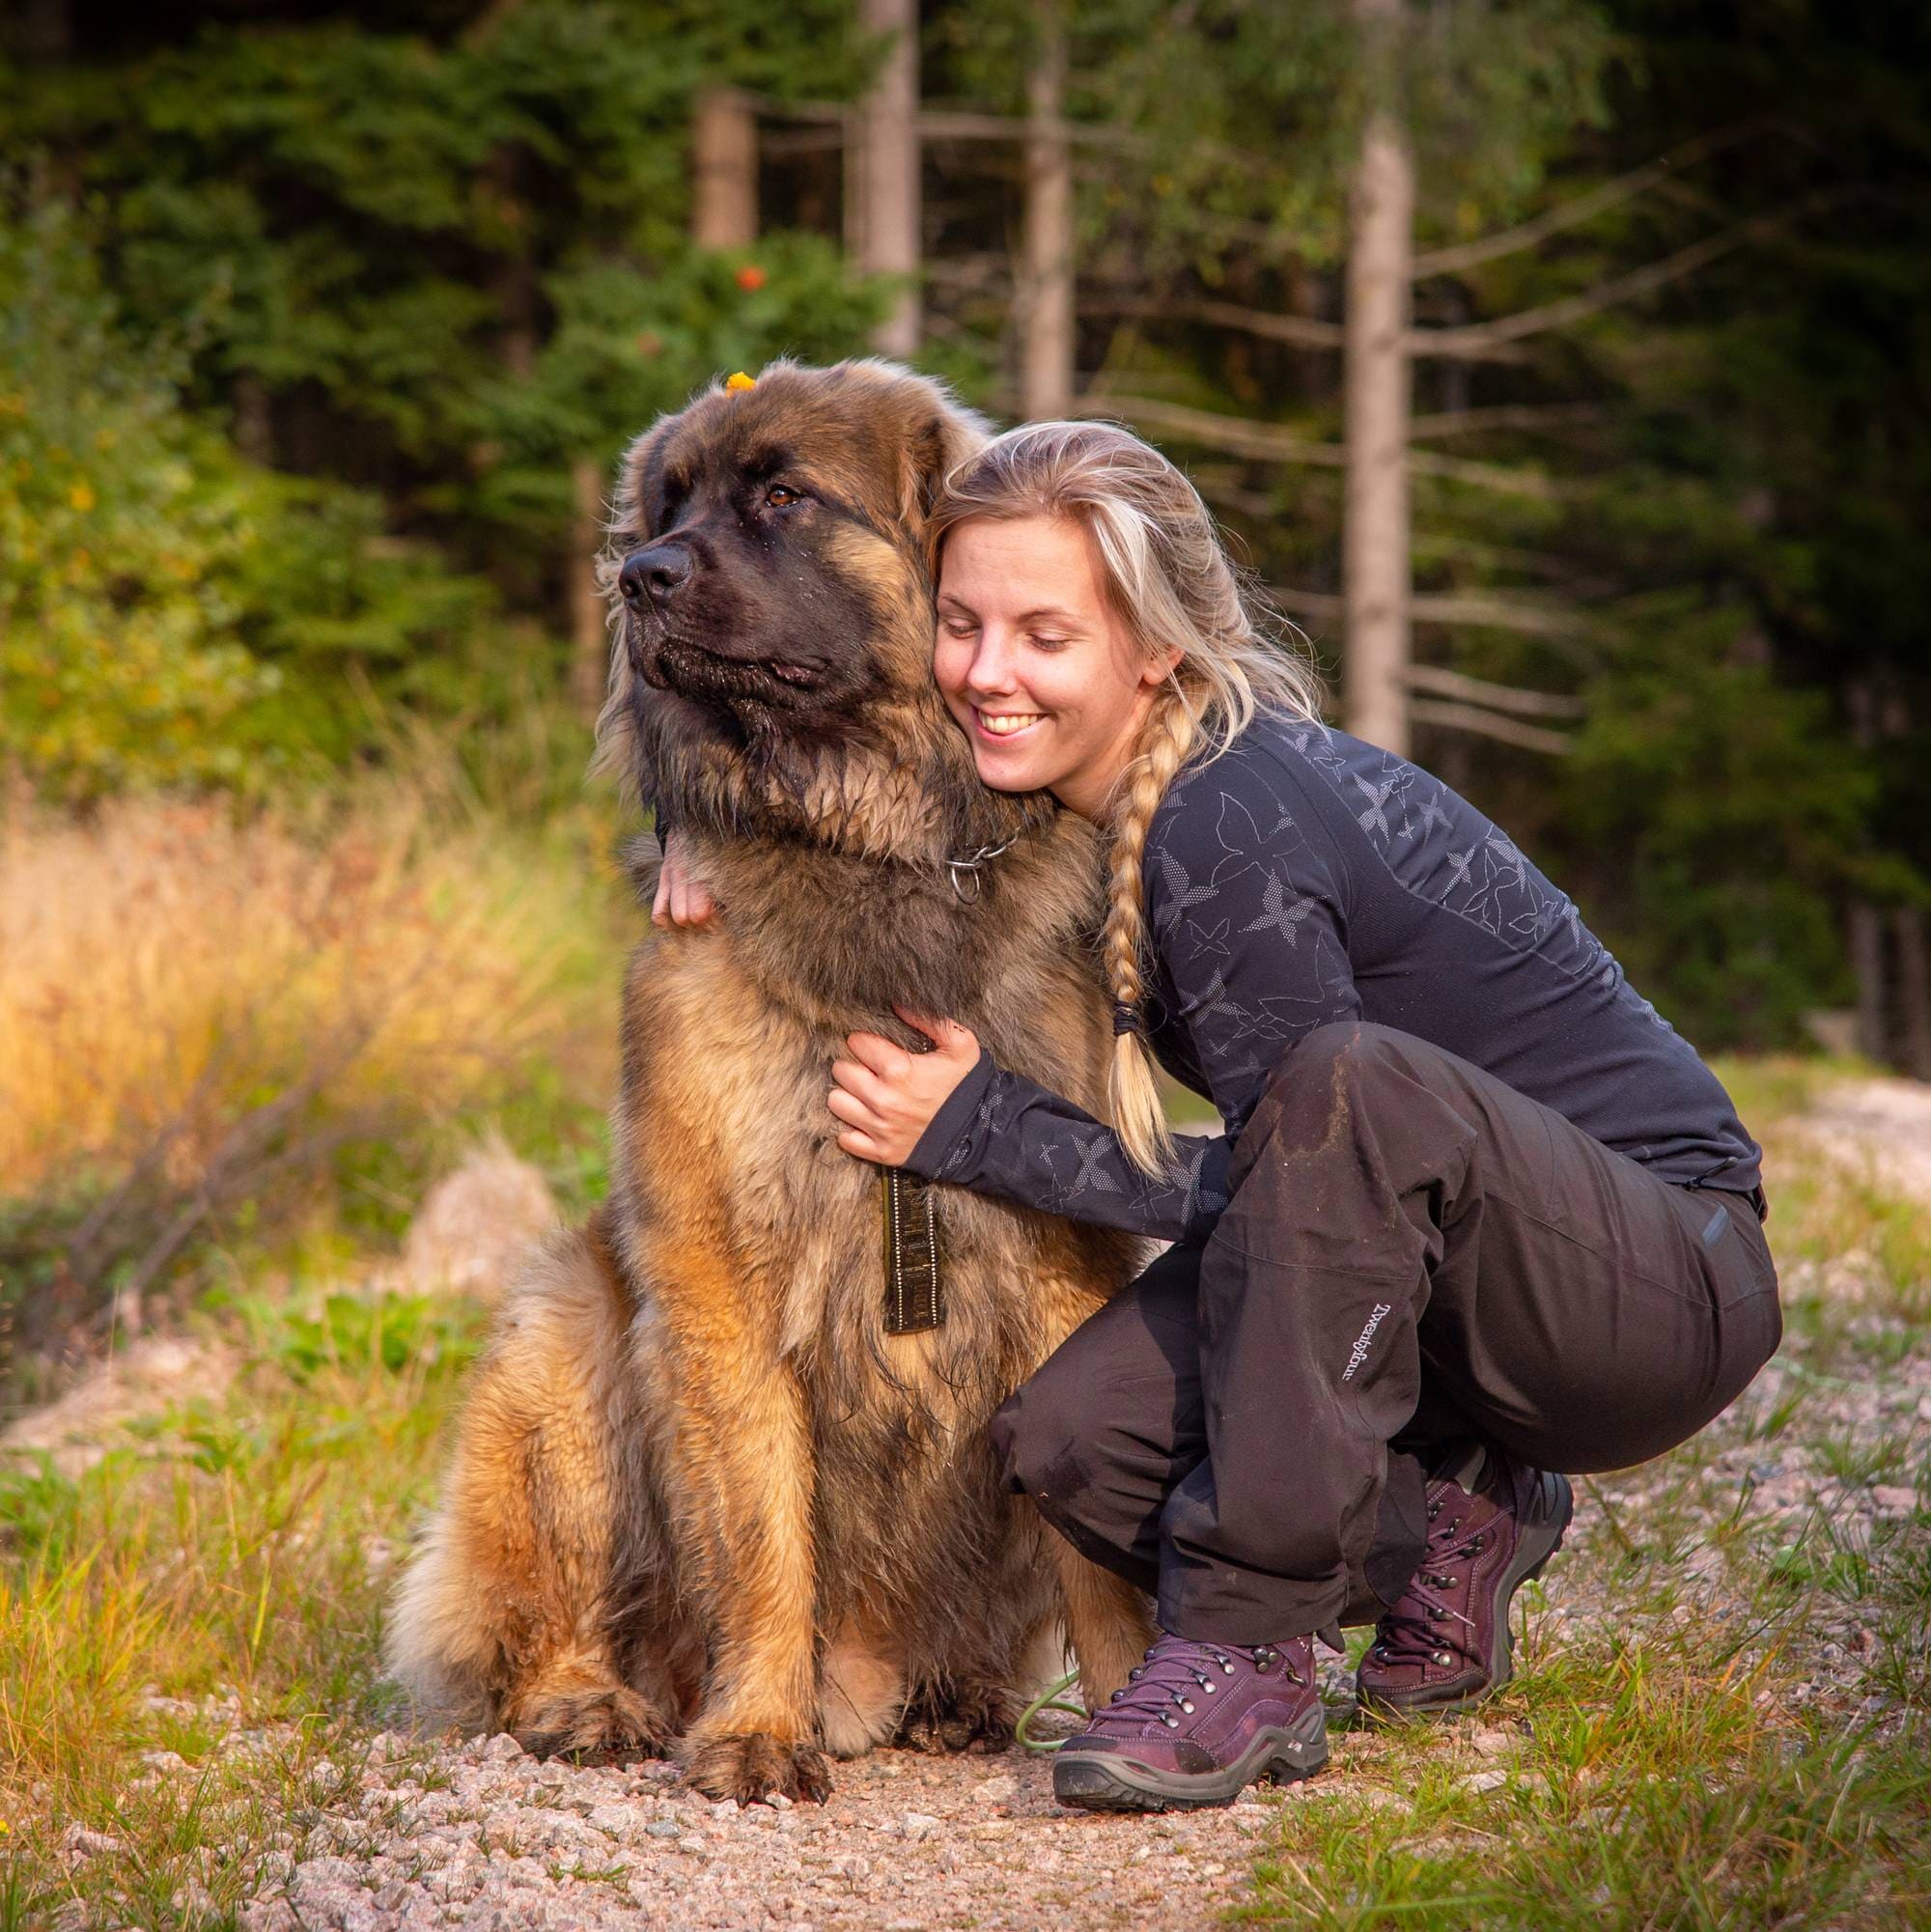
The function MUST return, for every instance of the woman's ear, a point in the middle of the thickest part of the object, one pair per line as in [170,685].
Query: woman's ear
[1163,664]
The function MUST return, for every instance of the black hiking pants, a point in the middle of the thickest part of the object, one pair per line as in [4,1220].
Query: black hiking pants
[1416,1255]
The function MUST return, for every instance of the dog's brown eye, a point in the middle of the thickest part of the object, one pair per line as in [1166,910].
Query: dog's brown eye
[781,495]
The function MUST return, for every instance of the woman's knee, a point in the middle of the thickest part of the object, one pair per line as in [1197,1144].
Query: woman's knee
[1343,1052]
[1050,1435]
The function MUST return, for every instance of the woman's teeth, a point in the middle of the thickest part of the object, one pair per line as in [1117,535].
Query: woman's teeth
[1003,726]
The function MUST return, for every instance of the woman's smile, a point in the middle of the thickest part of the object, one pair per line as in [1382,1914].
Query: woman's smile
[1006,724]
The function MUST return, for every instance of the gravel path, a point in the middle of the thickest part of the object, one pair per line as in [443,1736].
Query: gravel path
[905,1841]
[477,1834]
[1881,1125]
[482,1836]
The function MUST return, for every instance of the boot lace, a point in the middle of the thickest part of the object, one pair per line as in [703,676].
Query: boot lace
[1421,1627]
[1178,1675]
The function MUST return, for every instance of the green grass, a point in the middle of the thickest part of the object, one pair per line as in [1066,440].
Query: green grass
[220,1575]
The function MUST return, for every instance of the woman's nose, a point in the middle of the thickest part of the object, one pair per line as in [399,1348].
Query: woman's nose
[990,672]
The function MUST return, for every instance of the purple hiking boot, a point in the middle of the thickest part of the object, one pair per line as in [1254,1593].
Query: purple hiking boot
[1446,1643]
[1193,1724]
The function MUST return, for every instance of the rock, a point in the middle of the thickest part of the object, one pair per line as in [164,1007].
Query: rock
[473,1229]
[663,1828]
[1894,1499]
[1482,1780]
[147,1375]
[918,1824]
[500,1748]
[78,1842]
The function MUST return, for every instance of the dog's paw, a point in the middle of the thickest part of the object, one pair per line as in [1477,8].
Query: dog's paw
[977,1721]
[751,1765]
[612,1725]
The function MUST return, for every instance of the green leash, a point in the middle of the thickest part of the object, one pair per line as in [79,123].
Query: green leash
[1050,1700]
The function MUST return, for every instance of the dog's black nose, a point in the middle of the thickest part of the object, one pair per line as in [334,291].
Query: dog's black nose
[656,573]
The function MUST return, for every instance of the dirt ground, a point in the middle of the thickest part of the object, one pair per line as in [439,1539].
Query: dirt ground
[437,1832]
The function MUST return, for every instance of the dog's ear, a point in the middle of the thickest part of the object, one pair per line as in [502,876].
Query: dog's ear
[639,475]
[941,436]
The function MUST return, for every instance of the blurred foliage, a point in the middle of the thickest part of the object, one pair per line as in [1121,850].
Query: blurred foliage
[311,326]
[169,612]
[223,1025]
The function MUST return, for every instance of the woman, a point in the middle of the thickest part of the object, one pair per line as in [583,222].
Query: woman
[1478,1216]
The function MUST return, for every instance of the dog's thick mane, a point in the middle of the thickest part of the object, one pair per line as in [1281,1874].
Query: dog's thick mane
[899,788]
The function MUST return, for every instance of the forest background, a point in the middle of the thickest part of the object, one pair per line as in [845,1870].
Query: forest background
[1561,368]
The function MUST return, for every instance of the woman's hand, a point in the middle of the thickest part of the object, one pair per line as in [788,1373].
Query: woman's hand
[887,1096]
[683,898]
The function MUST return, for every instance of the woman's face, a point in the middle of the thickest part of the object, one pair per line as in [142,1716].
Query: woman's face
[1043,677]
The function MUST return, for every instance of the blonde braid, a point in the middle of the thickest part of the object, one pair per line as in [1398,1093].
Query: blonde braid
[1139,1117]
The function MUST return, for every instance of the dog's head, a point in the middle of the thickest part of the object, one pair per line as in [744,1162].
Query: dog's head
[773,611]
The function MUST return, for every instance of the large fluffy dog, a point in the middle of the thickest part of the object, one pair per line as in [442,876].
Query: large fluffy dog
[702,1490]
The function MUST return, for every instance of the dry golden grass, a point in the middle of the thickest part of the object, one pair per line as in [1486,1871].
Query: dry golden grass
[197,1008]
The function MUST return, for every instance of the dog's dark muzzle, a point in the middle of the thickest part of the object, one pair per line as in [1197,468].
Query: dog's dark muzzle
[668,658]
[651,578]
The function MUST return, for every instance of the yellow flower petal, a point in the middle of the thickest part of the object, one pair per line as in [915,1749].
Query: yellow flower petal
[738,380]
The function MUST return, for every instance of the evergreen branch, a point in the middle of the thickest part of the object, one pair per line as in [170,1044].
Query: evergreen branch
[1304,332]
[1584,206]
[1239,436]
[1479,338]
[1505,416]
[1484,613]
[1489,725]
[1447,683]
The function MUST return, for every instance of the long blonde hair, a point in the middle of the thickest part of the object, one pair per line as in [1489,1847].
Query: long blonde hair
[1167,575]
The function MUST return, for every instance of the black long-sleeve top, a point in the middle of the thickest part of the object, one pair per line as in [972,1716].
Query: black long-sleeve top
[1305,877]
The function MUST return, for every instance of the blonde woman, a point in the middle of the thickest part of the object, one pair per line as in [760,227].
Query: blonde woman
[1478,1216]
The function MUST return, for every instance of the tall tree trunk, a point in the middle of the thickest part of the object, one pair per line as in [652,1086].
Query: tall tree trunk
[1375,539]
[1045,348]
[589,616]
[254,421]
[1913,1040]
[1866,920]
[1914,990]
[887,175]
[724,169]
[45,29]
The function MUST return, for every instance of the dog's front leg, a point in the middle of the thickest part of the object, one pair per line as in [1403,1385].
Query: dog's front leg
[742,1498]
[1107,1623]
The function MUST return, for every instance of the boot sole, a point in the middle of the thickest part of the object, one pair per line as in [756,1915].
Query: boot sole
[1109,1781]
[1529,1563]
